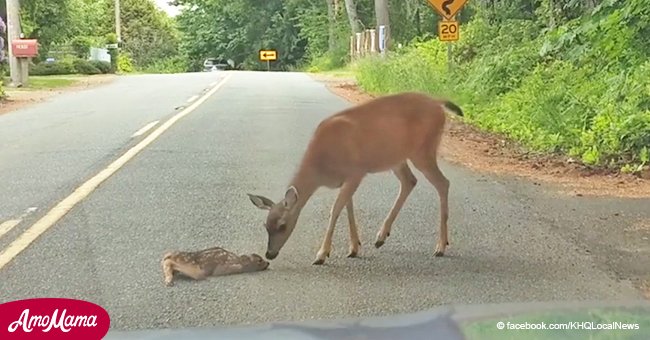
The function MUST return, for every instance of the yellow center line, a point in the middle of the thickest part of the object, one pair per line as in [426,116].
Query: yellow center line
[56,213]
[6,226]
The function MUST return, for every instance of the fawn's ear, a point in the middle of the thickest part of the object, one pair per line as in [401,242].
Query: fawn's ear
[290,197]
[261,201]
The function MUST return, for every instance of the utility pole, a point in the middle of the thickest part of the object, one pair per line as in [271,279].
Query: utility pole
[13,32]
[118,22]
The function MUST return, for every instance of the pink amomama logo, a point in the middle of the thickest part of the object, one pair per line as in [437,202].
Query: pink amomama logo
[53,318]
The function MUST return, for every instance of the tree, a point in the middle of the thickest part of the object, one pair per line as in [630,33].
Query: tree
[381,11]
[353,16]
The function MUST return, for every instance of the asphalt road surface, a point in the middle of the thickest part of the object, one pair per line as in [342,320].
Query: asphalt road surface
[187,190]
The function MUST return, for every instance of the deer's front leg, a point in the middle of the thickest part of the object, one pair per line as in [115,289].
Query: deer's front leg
[355,242]
[345,195]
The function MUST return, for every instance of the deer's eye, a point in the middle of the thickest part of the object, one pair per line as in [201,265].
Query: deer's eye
[282,227]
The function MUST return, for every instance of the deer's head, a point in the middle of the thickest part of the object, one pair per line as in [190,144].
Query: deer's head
[280,220]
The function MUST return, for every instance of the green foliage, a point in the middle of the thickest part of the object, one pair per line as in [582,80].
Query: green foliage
[103,66]
[148,34]
[238,29]
[2,77]
[47,21]
[56,68]
[124,63]
[81,46]
[169,65]
[580,88]
[70,66]
[85,67]
[111,38]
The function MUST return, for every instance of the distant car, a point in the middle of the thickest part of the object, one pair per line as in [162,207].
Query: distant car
[214,64]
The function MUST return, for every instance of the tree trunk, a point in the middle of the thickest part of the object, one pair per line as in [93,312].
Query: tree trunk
[353,17]
[13,32]
[591,4]
[331,17]
[381,12]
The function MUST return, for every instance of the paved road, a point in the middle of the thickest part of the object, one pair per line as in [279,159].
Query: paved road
[46,150]
[510,241]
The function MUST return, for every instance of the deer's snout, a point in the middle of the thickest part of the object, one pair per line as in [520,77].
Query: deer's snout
[270,256]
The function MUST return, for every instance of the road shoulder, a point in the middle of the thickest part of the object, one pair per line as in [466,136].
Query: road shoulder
[618,244]
[485,152]
[47,87]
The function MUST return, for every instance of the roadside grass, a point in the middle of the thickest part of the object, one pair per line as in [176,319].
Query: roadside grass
[55,82]
[51,82]
[587,99]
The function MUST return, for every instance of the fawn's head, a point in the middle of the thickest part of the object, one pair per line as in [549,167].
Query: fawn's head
[254,262]
[280,220]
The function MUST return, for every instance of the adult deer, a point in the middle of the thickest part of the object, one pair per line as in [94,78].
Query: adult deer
[377,136]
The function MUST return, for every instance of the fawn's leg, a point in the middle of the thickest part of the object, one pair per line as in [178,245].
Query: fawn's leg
[191,271]
[168,272]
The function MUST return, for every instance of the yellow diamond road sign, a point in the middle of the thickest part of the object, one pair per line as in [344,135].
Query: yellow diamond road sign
[448,8]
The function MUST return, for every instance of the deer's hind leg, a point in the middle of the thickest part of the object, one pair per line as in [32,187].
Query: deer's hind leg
[428,165]
[407,182]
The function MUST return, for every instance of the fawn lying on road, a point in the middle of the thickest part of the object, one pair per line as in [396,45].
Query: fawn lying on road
[214,261]
[376,136]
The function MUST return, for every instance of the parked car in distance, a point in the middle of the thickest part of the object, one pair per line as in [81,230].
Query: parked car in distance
[214,64]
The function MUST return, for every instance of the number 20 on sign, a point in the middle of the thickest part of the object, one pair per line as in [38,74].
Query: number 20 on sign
[448,30]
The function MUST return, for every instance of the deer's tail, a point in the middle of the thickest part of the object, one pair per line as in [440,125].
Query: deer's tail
[453,107]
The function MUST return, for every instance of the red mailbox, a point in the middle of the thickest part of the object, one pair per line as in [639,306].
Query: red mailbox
[24,48]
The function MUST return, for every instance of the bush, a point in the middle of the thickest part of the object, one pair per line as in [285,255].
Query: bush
[81,47]
[85,67]
[2,82]
[581,89]
[56,68]
[102,66]
[168,65]
[124,63]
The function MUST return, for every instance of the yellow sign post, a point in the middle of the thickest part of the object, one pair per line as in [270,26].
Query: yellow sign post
[448,30]
[448,8]
[268,56]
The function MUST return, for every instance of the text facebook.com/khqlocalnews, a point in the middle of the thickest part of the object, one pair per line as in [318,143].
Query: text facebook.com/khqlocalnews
[572,325]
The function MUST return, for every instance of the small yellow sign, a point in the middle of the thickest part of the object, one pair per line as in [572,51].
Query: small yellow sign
[448,30]
[268,55]
[448,8]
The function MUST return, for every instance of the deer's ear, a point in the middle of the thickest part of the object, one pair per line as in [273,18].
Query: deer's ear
[261,201]
[290,197]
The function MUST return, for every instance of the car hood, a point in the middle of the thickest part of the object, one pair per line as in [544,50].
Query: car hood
[447,322]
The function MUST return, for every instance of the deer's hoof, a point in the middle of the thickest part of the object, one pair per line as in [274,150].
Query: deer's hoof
[352,254]
[318,262]
[379,243]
